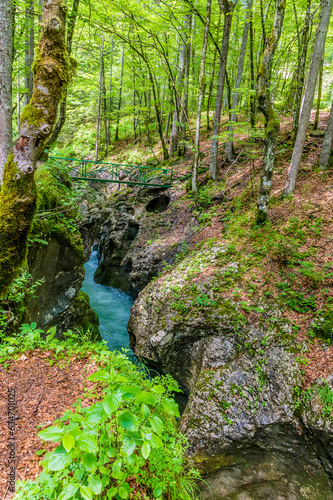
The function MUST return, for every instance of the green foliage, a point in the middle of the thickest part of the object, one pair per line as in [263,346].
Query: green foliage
[297,301]
[125,444]
[323,324]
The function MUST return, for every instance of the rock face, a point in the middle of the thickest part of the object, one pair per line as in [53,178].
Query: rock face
[60,265]
[126,262]
[242,418]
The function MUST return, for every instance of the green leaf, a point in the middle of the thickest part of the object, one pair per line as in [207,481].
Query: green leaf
[86,492]
[86,442]
[127,421]
[145,410]
[171,407]
[96,414]
[129,391]
[145,450]
[100,376]
[53,433]
[146,397]
[69,491]
[156,424]
[128,446]
[123,492]
[68,441]
[156,441]
[89,462]
[95,484]
[111,403]
[59,459]
[41,452]
[112,492]
[159,389]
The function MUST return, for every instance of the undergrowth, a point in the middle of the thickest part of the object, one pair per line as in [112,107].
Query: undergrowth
[124,446]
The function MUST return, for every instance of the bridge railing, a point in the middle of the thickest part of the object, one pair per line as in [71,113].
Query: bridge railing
[119,173]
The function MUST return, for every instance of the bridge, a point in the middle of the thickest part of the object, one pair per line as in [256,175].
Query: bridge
[118,173]
[122,173]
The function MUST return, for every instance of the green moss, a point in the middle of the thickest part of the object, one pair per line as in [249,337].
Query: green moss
[207,465]
[18,200]
[85,318]
[32,116]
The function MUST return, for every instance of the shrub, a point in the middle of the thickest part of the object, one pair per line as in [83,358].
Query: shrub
[126,445]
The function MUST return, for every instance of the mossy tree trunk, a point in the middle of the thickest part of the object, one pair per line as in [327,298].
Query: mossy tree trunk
[265,105]
[18,195]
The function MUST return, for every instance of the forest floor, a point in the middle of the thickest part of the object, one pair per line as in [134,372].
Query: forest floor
[44,389]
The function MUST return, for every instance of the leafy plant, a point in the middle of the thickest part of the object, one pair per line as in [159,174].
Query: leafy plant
[124,446]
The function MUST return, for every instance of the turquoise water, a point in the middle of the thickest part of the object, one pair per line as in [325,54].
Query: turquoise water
[111,305]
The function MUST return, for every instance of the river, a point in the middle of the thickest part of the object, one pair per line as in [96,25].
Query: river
[111,305]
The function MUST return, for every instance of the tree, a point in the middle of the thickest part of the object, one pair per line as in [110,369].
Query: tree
[265,105]
[18,196]
[229,146]
[6,56]
[327,143]
[317,55]
[200,98]
[227,7]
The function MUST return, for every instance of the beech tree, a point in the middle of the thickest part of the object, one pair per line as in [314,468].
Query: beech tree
[6,59]
[18,196]
[316,60]
[265,105]
[227,7]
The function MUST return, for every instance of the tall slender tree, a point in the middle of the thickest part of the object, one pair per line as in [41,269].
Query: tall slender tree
[6,56]
[265,105]
[317,56]
[200,98]
[227,7]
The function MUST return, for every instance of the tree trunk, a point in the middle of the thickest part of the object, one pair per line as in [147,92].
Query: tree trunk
[120,92]
[211,85]
[301,63]
[327,143]
[265,105]
[110,94]
[227,7]
[317,55]
[174,135]
[6,56]
[229,146]
[99,107]
[252,96]
[63,105]
[184,108]
[320,87]
[29,51]
[200,99]
[18,195]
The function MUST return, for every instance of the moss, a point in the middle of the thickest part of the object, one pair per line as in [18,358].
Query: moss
[85,317]
[207,465]
[32,116]
[18,200]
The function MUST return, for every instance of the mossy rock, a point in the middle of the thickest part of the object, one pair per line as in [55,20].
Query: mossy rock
[317,133]
[324,326]
[85,317]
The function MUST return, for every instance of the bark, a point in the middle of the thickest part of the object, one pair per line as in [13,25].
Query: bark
[265,105]
[229,146]
[252,96]
[301,64]
[18,195]
[317,55]
[327,143]
[210,91]
[183,113]
[320,87]
[110,94]
[227,7]
[120,92]
[175,128]
[29,51]
[63,105]
[6,55]
[200,99]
